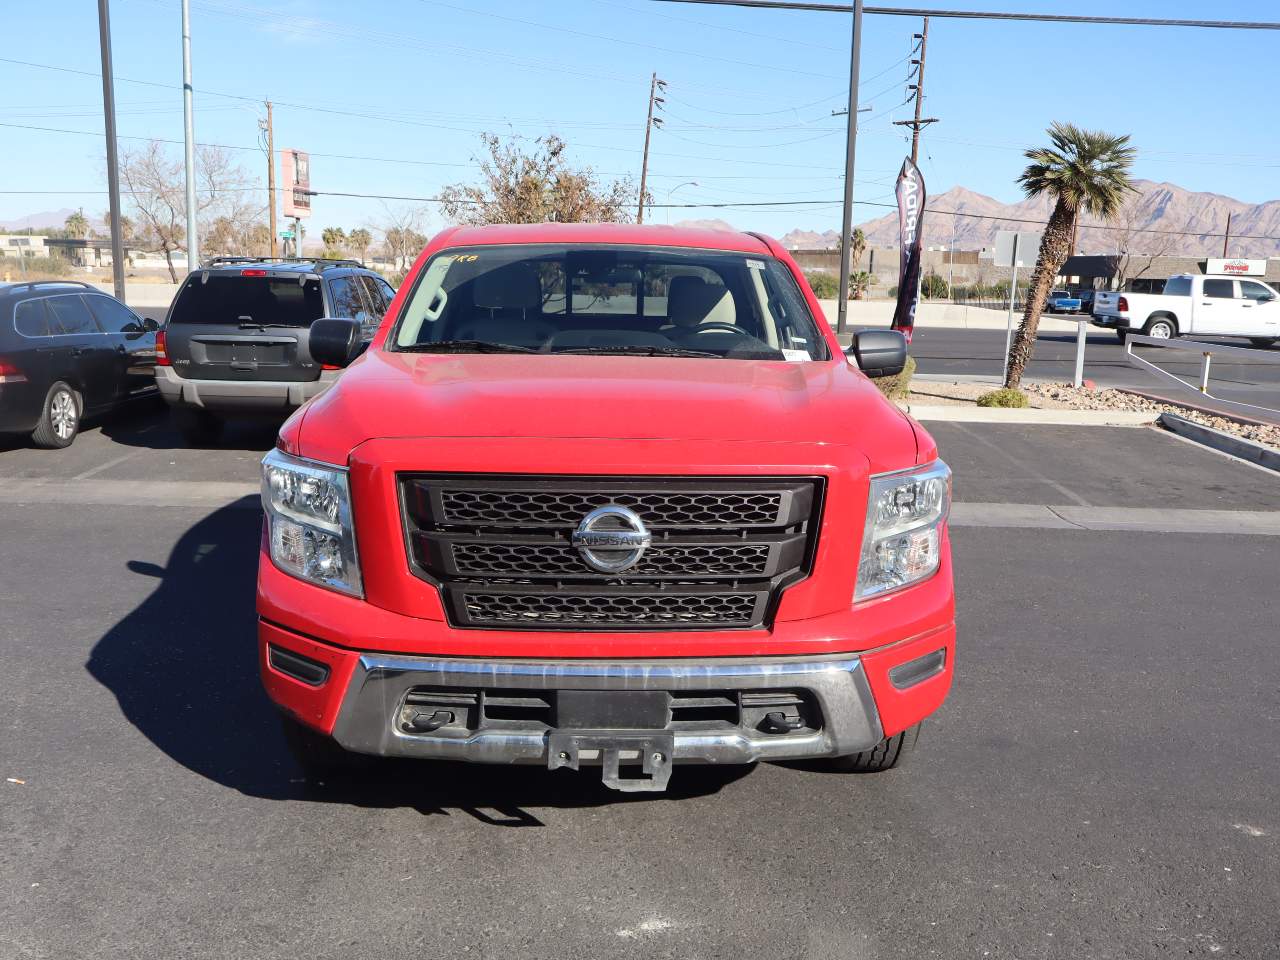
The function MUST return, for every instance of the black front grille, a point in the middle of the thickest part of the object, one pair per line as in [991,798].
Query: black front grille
[500,548]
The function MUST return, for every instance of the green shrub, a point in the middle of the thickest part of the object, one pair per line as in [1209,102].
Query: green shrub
[37,268]
[898,386]
[824,285]
[892,293]
[933,287]
[1004,397]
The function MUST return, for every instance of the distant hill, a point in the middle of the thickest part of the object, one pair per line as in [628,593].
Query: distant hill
[38,221]
[1158,206]
[706,225]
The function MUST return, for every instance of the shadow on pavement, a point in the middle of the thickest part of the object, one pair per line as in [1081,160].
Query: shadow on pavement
[157,432]
[183,667]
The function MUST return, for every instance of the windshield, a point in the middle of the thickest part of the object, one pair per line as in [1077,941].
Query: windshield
[234,299]
[609,299]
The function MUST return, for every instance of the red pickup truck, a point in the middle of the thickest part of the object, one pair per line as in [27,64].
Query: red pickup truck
[605,495]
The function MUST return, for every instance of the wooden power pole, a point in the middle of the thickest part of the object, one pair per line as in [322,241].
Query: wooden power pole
[655,102]
[271,182]
[919,122]
[1226,237]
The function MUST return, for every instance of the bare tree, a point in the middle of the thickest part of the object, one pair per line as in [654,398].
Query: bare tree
[518,186]
[1130,238]
[226,204]
[403,236]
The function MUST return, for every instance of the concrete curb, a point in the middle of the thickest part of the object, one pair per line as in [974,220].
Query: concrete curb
[1221,441]
[1061,418]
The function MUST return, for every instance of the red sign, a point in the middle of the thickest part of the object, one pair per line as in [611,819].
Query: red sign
[296,170]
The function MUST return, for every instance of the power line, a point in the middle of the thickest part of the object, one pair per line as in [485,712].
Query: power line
[990,15]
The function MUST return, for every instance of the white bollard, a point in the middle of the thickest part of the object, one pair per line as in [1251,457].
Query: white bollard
[1080,339]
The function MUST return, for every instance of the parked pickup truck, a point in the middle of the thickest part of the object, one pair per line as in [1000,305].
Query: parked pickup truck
[605,495]
[1062,301]
[1196,305]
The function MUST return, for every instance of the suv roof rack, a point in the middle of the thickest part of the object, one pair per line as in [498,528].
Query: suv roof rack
[36,283]
[330,261]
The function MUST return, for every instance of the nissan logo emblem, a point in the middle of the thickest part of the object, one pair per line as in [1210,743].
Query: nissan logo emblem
[611,539]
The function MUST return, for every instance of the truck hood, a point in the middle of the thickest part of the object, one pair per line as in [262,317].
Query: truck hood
[404,395]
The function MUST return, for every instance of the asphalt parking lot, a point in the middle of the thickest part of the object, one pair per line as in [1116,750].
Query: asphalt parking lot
[1103,781]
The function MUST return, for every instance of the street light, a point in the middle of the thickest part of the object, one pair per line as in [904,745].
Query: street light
[687,183]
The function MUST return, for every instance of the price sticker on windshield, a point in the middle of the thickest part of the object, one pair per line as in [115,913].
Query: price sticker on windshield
[755,264]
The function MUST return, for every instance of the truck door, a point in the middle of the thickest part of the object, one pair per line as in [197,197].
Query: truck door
[1217,308]
[1260,309]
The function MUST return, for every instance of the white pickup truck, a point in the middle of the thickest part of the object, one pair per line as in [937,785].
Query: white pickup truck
[1192,304]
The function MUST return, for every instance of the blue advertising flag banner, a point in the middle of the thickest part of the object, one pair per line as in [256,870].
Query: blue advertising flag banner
[911,199]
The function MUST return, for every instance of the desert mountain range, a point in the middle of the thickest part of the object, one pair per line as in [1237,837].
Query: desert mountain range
[1157,206]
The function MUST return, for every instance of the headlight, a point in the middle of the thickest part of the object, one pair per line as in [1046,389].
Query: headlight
[308,507]
[902,538]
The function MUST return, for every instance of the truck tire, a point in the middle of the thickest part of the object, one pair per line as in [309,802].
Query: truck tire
[1122,334]
[1162,328]
[198,427]
[885,755]
[59,418]
[1262,343]
[316,754]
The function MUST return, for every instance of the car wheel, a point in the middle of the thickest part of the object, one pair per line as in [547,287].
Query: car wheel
[1263,343]
[1122,336]
[198,427]
[60,419]
[317,754]
[1161,329]
[888,753]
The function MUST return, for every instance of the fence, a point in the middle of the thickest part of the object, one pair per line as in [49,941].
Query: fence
[1207,351]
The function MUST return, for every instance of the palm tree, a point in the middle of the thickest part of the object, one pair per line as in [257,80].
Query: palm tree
[77,225]
[1085,171]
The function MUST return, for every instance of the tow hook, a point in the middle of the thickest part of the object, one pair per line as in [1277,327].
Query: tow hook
[779,722]
[422,722]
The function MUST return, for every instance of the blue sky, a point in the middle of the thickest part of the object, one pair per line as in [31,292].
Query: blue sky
[749,98]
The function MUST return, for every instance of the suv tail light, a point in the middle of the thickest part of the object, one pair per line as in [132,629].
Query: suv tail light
[253,273]
[11,374]
[162,349]
[1122,305]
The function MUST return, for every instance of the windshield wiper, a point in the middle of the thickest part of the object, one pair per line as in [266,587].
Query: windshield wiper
[642,351]
[465,346]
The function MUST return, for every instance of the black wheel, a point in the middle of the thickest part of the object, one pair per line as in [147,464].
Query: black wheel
[60,418]
[1122,336]
[888,753]
[316,754]
[1262,343]
[198,426]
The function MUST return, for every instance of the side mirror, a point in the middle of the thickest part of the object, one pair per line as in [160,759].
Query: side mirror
[879,353]
[335,341]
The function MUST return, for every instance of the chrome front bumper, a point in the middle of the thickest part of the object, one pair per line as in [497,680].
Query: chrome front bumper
[367,721]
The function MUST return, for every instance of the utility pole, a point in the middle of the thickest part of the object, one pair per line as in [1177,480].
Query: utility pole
[919,122]
[113,168]
[655,101]
[193,239]
[850,153]
[271,180]
[1226,236]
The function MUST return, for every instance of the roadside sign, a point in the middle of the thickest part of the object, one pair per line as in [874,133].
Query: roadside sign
[296,170]
[286,234]
[1235,266]
[1028,248]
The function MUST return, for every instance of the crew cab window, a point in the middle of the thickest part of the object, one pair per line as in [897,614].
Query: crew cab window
[1178,287]
[1257,292]
[1220,289]
[31,319]
[114,317]
[69,315]
[607,299]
